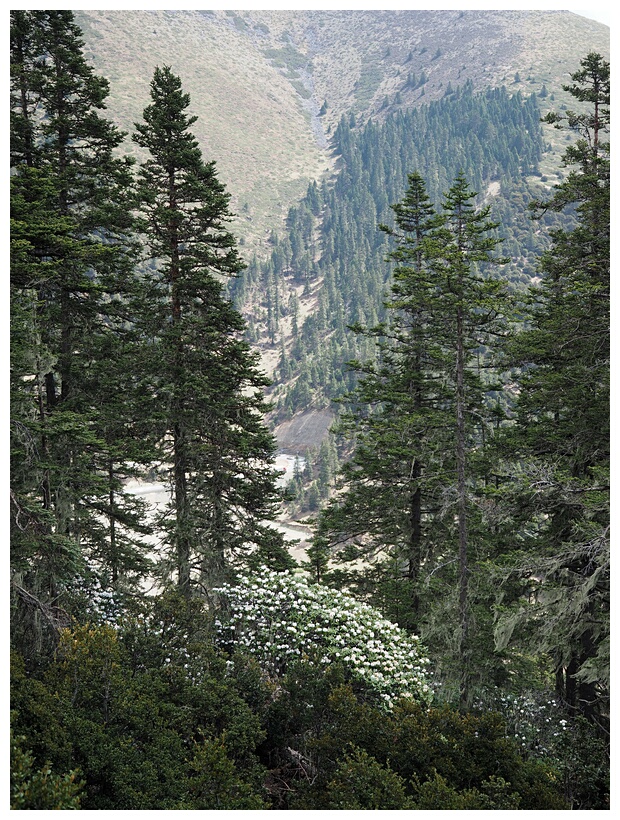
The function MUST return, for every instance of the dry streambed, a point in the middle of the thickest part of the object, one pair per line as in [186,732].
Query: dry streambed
[157,496]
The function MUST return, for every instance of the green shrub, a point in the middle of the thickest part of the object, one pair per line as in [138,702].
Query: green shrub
[39,788]
[214,781]
[360,782]
[128,706]
[441,757]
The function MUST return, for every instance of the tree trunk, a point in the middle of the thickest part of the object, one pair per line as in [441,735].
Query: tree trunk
[415,536]
[183,541]
[112,520]
[45,481]
[462,512]
[180,502]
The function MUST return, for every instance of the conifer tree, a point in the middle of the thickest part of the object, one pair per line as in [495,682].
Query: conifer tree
[72,257]
[200,373]
[558,447]
[419,413]
[472,313]
[24,39]
[388,490]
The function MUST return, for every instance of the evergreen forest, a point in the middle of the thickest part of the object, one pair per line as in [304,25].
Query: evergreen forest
[333,248]
[445,641]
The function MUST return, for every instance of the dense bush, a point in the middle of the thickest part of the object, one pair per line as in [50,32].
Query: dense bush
[360,782]
[40,788]
[321,737]
[148,713]
[280,618]
[545,730]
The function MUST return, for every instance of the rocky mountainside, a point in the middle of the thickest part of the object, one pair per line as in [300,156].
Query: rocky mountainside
[269,87]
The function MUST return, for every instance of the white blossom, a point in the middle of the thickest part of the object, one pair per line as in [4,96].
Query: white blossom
[322,625]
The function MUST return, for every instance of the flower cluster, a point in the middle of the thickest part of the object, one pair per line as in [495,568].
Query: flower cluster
[279,618]
[535,720]
[100,605]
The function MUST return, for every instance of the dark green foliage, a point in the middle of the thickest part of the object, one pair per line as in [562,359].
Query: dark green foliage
[387,496]
[72,257]
[214,782]
[152,718]
[199,373]
[155,719]
[583,760]
[336,752]
[361,783]
[557,475]
[437,794]
[40,789]
[121,701]
[473,313]
[417,418]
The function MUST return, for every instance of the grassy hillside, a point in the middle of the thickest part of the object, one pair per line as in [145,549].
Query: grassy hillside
[259,79]
[270,88]
[250,119]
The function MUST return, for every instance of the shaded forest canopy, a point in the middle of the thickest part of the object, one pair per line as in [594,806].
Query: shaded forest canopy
[445,644]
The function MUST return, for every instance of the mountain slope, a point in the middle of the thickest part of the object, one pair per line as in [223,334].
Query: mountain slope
[249,117]
[271,88]
[259,79]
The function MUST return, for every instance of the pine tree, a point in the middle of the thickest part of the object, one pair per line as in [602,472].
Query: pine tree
[419,413]
[200,373]
[386,495]
[25,39]
[473,312]
[72,257]
[561,429]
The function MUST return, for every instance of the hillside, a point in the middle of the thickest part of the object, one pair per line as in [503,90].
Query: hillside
[258,79]
[309,504]
[270,89]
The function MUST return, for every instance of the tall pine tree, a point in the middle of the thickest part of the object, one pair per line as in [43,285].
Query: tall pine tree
[206,391]
[72,260]
[393,415]
[419,415]
[472,312]
[559,443]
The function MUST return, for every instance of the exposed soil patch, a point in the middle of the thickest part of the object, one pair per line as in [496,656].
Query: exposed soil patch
[297,536]
[303,431]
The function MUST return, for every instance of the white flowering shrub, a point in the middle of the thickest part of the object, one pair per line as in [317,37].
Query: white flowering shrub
[93,602]
[280,618]
[535,720]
